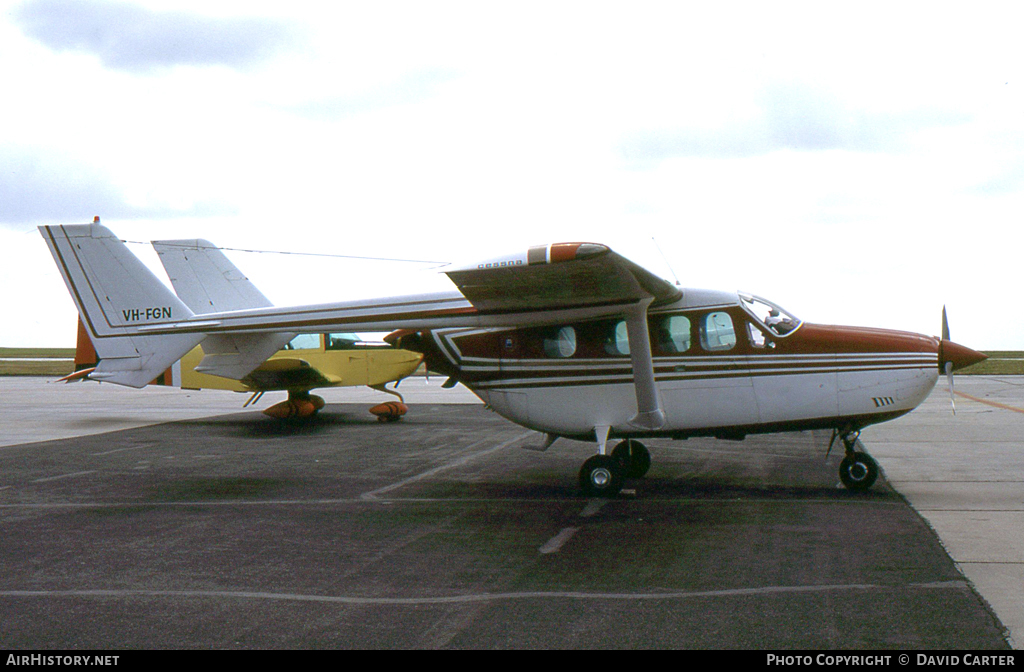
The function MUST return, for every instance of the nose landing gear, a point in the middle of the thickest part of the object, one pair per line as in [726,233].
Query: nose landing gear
[858,470]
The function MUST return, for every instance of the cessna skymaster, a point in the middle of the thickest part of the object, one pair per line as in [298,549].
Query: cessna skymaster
[569,339]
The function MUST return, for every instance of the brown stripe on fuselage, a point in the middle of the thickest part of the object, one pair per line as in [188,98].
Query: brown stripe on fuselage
[494,358]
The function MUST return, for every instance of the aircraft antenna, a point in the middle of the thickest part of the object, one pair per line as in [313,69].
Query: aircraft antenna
[671,270]
[314,254]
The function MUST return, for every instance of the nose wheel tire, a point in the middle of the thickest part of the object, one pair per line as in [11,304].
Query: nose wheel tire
[858,471]
[634,458]
[601,476]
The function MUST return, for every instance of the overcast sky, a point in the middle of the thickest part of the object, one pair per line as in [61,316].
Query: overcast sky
[858,163]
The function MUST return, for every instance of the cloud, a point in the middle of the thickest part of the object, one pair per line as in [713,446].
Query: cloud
[36,187]
[136,40]
[787,117]
[411,88]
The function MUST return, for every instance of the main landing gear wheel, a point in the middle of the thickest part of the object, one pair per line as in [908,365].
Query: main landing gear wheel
[858,471]
[601,476]
[634,458]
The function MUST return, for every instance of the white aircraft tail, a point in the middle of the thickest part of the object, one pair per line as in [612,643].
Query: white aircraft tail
[208,282]
[121,303]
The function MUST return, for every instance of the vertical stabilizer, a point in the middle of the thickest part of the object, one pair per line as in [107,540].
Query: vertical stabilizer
[205,279]
[118,299]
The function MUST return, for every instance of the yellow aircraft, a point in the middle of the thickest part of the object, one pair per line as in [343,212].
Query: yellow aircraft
[311,361]
[206,281]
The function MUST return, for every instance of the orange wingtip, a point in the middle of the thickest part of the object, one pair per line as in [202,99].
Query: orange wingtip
[77,375]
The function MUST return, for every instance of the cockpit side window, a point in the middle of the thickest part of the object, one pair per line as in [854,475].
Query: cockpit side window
[779,321]
[717,332]
[758,340]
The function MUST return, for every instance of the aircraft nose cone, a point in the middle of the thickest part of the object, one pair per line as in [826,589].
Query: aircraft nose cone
[959,355]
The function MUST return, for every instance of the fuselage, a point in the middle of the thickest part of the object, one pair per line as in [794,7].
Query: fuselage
[722,368]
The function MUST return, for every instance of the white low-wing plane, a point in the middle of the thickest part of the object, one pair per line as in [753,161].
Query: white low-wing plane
[569,339]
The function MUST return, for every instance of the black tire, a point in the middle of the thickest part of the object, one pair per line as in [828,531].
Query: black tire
[601,476]
[858,471]
[634,458]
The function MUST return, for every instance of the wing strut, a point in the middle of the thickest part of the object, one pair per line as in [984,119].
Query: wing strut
[648,402]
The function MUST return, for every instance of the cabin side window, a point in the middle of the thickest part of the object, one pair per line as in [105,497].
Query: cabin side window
[560,343]
[717,332]
[617,341]
[304,342]
[672,334]
[342,341]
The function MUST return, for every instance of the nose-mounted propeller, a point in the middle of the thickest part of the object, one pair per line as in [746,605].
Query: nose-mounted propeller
[949,364]
[953,356]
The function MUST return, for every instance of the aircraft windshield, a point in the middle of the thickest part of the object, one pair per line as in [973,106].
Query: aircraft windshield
[777,320]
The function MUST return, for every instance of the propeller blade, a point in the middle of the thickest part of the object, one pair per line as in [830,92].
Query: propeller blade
[949,377]
[945,325]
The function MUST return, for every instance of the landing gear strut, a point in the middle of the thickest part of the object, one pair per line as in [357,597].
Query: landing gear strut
[858,470]
[604,475]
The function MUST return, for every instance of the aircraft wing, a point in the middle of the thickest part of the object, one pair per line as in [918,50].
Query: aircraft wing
[546,285]
[564,275]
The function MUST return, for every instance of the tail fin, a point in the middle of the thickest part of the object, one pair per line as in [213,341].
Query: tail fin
[205,279]
[208,282]
[118,298]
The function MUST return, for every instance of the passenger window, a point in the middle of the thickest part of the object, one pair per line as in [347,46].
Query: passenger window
[717,332]
[304,342]
[617,342]
[674,334]
[561,344]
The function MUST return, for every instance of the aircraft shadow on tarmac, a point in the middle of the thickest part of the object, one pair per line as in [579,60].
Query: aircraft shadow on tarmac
[257,426]
[768,467]
[664,488]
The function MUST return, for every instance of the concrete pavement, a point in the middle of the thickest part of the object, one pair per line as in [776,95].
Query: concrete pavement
[962,474]
[965,475]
